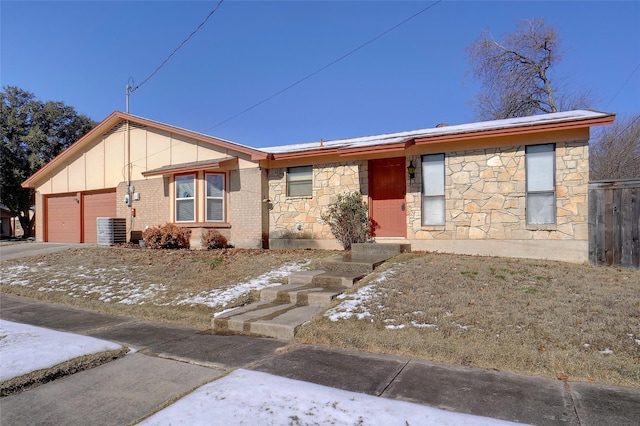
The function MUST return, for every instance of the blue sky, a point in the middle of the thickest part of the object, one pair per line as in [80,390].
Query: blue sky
[83,53]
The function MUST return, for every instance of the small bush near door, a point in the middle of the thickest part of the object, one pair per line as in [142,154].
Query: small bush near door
[348,219]
[213,239]
[167,236]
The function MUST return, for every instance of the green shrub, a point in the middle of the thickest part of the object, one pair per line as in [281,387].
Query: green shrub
[213,239]
[348,219]
[167,236]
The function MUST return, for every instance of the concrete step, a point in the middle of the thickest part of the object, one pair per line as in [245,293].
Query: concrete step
[304,277]
[329,278]
[301,295]
[383,249]
[337,279]
[282,309]
[269,319]
[350,263]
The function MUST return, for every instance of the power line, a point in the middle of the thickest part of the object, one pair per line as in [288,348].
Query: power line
[627,128]
[133,89]
[335,61]
[623,84]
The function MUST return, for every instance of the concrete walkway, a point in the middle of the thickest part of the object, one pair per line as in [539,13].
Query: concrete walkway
[171,361]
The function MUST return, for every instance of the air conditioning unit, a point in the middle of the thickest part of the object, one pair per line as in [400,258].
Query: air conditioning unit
[111,230]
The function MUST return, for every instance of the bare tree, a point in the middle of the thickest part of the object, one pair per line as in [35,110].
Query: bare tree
[32,133]
[614,152]
[515,73]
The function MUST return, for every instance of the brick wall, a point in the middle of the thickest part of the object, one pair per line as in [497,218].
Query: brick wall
[152,209]
[246,207]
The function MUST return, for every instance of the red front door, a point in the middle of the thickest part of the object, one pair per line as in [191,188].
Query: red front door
[387,186]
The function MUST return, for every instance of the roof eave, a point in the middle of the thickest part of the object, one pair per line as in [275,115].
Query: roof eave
[302,154]
[178,169]
[117,116]
[254,154]
[102,127]
[517,130]
[376,149]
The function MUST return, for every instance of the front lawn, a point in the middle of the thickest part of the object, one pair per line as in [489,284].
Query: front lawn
[537,317]
[554,319]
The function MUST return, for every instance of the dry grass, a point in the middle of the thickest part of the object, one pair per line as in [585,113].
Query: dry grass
[160,285]
[537,317]
[534,317]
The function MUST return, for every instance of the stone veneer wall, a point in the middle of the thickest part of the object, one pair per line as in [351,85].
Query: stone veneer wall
[485,193]
[291,217]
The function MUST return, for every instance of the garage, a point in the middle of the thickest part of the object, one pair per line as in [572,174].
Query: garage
[63,218]
[71,218]
[97,204]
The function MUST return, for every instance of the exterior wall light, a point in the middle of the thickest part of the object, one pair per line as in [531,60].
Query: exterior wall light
[411,169]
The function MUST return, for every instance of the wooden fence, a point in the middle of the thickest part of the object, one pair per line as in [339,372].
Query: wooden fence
[614,223]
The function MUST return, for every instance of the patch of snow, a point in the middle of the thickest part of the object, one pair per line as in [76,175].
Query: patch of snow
[222,296]
[217,314]
[277,400]
[100,283]
[272,400]
[25,348]
[423,325]
[355,304]
[112,285]
[15,275]
[400,137]
[464,327]
[394,327]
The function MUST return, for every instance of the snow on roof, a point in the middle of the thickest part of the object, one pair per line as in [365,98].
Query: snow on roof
[391,138]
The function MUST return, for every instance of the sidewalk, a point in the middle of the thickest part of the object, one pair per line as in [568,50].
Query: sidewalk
[171,361]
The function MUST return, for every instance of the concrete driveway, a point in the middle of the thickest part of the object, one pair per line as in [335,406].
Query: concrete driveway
[17,249]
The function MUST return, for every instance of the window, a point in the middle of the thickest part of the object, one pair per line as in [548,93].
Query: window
[433,189]
[185,198]
[215,197]
[541,194]
[300,181]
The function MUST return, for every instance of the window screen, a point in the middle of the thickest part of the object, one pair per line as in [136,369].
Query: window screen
[433,202]
[185,198]
[540,167]
[299,181]
[215,197]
